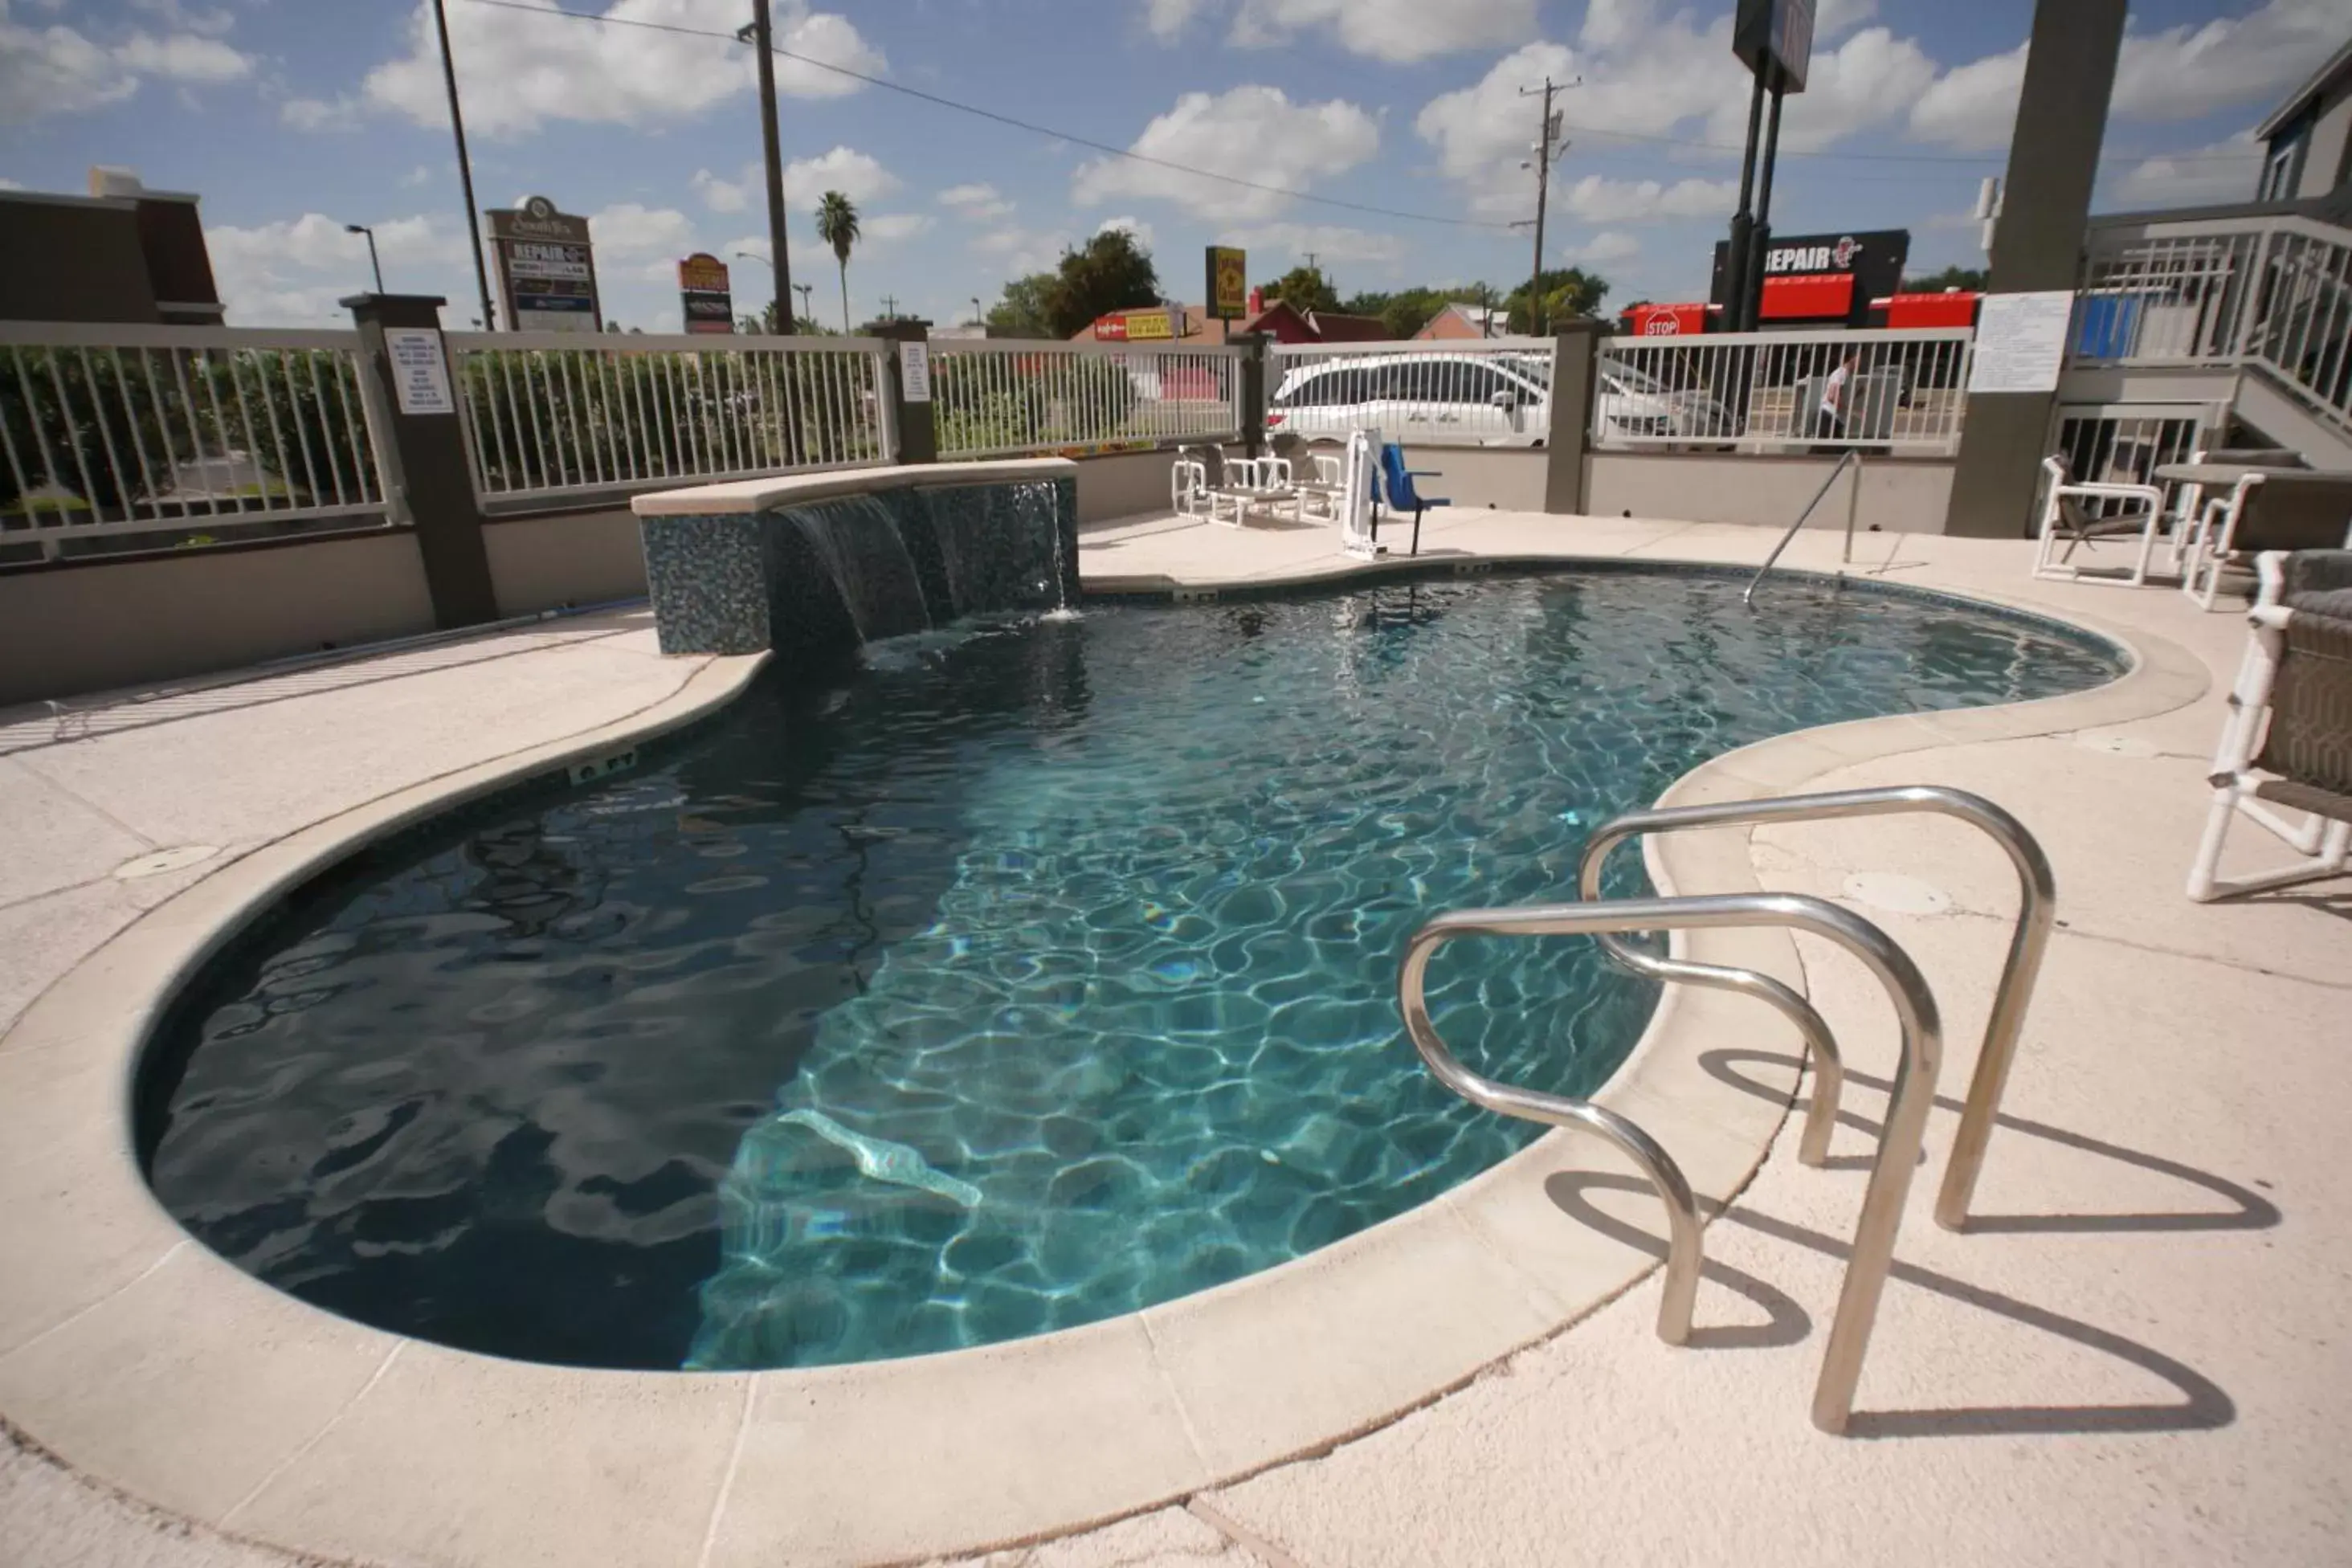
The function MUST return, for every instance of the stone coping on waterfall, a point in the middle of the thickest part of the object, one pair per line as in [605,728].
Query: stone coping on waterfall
[734,497]
[144,1360]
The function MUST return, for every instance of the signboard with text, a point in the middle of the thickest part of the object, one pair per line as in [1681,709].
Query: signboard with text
[547,269]
[1768,33]
[1135,326]
[1824,279]
[705,304]
[1228,283]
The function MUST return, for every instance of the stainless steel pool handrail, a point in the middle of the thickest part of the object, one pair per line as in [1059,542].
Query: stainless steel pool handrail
[1898,1149]
[2037,910]
[1851,457]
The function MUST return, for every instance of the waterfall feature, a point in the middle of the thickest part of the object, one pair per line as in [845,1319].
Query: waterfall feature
[813,579]
[858,541]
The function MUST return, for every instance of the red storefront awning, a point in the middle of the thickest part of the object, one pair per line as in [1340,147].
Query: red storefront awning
[1958,308]
[1807,296]
[1669,320]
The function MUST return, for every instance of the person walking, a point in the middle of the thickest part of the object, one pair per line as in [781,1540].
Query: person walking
[1829,420]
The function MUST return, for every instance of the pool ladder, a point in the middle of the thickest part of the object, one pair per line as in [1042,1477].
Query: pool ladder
[1914,1009]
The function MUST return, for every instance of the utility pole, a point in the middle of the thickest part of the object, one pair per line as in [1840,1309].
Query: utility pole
[762,40]
[889,307]
[465,171]
[1544,153]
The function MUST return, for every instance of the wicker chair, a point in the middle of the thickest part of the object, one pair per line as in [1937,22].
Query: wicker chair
[2288,739]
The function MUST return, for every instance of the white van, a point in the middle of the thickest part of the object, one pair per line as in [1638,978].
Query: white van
[1489,400]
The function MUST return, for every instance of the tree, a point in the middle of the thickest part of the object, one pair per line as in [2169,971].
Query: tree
[1304,289]
[837,224]
[1972,278]
[1024,311]
[1109,273]
[1408,310]
[1568,292]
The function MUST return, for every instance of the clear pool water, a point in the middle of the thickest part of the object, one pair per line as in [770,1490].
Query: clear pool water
[1016,976]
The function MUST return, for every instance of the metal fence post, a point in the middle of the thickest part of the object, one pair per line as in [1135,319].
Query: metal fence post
[1255,349]
[1575,360]
[909,418]
[412,397]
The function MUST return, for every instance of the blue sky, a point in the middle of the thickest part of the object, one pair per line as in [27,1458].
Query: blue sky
[293,117]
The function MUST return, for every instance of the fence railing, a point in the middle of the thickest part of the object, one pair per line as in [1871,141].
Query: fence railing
[2276,292]
[546,418]
[124,429]
[1468,391]
[993,398]
[1904,391]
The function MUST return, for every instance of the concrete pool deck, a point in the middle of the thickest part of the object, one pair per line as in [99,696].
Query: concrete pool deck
[2141,1354]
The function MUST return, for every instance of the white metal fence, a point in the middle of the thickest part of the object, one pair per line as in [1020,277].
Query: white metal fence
[1470,390]
[992,398]
[1904,391]
[2275,291]
[549,416]
[122,429]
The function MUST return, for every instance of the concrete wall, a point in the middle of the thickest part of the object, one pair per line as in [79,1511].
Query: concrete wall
[79,628]
[564,558]
[1908,495]
[1123,485]
[1509,478]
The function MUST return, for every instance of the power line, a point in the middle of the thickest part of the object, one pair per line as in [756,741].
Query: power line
[1017,124]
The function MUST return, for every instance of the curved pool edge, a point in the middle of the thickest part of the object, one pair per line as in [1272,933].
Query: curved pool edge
[143,1359]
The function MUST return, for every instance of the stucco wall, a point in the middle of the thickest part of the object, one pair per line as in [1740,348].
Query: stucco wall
[568,558]
[1898,495]
[1123,485]
[74,629]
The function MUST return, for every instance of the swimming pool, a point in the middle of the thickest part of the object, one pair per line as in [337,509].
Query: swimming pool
[1023,974]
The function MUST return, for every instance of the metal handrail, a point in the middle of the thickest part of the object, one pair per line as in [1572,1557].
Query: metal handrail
[1851,456]
[2037,896]
[1898,1149]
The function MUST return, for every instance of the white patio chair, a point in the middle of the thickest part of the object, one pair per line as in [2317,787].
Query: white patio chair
[2065,517]
[2287,740]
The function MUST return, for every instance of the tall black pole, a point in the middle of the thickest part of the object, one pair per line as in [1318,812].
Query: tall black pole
[464,173]
[762,39]
[1743,222]
[1757,241]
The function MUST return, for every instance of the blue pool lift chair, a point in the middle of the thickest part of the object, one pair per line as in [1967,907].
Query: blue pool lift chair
[1396,480]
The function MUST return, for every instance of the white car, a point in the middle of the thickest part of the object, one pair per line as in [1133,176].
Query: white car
[1489,400]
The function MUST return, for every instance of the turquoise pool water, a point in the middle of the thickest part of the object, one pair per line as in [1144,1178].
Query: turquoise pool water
[1018,976]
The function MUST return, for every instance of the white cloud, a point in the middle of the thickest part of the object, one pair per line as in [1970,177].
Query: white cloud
[885,228]
[725,195]
[1609,245]
[55,70]
[1482,131]
[8,184]
[182,58]
[1599,199]
[1019,251]
[1167,19]
[518,70]
[1135,226]
[1255,132]
[1973,107]
[419,175]
[2226,170]
[976,203]
[1329,242]
[628,229]
[1834,18]
[2187,71]
[315,114]
[292,271]
[59,70]
[1872,79]
[857,176]
[1398,31]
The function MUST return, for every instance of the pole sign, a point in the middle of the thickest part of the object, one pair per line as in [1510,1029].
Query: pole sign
[705,304]
[1228,283]
[1767,34]
[546,269]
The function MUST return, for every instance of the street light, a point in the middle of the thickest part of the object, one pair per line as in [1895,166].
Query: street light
[805,290]
[979,316]
[374,264]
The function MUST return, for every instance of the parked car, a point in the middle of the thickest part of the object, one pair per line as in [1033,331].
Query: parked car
[1490,400]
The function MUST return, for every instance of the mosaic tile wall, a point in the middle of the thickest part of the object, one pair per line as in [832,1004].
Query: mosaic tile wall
[740,583]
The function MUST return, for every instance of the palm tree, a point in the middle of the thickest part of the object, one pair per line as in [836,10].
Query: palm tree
[837,224]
